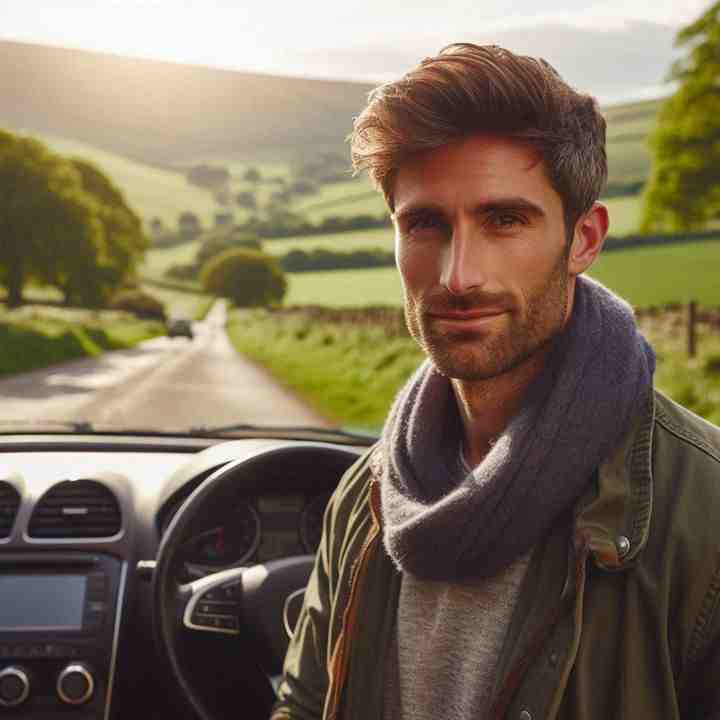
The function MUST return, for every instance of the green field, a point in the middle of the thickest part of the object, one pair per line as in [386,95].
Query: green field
[644,276]
[354,197]
[345,288]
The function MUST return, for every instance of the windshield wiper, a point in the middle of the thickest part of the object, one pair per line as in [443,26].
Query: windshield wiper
[359,437]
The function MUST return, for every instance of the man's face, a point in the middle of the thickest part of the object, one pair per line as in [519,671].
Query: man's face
[481,247]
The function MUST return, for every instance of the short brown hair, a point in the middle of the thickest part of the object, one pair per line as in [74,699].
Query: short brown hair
[469,89]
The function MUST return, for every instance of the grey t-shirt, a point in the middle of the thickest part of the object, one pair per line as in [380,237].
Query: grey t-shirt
[446,643]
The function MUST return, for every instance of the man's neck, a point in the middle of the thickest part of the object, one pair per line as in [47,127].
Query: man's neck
[487,406]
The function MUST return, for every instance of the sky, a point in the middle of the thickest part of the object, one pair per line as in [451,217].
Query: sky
[616,49]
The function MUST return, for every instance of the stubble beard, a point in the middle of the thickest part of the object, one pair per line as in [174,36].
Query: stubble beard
[472,355]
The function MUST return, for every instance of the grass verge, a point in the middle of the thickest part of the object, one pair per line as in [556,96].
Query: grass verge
[347,372]
[34,337]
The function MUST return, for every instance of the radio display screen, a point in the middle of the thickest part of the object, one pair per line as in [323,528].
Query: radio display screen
[42,602]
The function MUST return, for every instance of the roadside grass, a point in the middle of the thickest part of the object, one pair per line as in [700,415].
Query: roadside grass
[36,336]
[346,372]
[351,371]
[692,382]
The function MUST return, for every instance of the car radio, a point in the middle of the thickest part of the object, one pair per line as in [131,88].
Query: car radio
[57,628]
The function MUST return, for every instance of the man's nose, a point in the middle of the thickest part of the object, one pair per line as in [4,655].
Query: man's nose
[464,262]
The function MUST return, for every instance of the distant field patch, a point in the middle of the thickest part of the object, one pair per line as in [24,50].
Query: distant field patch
[660,275]
[342,199]
[624,213]
[345,288]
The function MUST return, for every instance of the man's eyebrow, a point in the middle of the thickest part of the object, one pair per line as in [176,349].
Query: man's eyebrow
[495,205]
[510,203]
[410,211]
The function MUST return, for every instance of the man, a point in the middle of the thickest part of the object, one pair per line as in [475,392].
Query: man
[536,534]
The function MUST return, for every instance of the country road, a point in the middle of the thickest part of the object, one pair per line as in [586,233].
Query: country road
[163,383]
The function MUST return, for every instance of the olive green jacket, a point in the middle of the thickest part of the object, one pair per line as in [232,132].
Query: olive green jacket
[618,616]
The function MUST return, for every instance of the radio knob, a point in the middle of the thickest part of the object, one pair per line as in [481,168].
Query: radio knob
[14,686]
[75,684]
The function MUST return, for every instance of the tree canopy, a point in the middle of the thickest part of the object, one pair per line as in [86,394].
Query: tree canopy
[63,223]
[684,188]
[248,277]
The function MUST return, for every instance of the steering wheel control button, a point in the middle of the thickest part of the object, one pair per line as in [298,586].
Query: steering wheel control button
[229,593]
[217,608]
[75,684]
[229,623]
[14,687]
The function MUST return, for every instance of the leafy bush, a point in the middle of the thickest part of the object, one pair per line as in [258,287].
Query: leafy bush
[248,277]
[140,303]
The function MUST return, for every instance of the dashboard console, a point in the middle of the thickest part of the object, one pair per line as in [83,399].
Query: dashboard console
[57,631]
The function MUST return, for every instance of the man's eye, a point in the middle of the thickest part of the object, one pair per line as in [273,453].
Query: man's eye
[506,221]
[425,222]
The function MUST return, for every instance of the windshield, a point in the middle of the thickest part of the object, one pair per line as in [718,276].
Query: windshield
[184,246]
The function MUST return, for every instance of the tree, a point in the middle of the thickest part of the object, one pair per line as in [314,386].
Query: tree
[684,188]
[248,277]
[124,241]
[48,223]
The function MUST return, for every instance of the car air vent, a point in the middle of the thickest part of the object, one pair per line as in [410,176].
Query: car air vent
[9,504]
[76,509]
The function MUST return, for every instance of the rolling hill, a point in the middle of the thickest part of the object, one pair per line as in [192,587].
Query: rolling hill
[170,114]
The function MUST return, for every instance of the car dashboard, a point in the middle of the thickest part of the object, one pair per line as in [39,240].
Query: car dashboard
[81,521]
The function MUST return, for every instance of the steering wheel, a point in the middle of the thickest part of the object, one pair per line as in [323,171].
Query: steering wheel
[236,603]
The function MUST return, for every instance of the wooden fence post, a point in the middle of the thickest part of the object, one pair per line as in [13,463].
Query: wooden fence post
[691,328]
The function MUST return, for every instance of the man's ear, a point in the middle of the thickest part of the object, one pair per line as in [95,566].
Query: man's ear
[590,232]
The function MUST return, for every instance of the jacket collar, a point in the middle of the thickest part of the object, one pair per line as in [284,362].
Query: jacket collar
[613,516]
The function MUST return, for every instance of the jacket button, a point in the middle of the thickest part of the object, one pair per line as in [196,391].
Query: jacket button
[623,546]
[525,715]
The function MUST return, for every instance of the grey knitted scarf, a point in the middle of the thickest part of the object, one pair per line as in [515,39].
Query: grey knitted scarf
[443,526]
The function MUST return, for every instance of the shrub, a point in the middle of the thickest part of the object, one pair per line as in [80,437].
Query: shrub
[140,303]
[248,277]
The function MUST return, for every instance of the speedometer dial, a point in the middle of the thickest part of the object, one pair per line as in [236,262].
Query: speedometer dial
[230,543]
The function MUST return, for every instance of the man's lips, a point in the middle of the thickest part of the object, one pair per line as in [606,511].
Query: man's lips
[475,314]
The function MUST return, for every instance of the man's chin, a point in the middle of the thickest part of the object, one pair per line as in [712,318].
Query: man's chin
[469,367]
